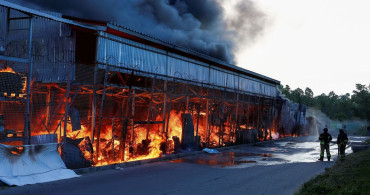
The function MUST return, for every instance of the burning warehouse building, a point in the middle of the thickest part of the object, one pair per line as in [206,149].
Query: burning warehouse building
[109,94]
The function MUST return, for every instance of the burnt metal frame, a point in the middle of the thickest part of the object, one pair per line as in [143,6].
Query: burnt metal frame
[167,95]
[27,130]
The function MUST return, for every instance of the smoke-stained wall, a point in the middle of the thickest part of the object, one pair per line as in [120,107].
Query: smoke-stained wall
[199,25]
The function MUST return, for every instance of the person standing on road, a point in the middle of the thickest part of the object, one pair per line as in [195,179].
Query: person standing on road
[342,141]
[325,139]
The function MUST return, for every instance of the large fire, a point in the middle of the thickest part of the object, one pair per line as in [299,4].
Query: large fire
[109,146]
[136,147]
[143,141]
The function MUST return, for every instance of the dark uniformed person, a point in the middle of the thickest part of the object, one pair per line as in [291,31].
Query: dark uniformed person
[342,141]
[325,139]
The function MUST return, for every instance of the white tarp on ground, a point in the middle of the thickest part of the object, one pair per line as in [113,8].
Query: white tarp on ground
[35,164]
[211,151]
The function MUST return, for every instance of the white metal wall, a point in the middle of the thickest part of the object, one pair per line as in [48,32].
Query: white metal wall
[53,45]
[121,52]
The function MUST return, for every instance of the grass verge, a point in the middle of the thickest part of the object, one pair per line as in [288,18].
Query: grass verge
[351,176]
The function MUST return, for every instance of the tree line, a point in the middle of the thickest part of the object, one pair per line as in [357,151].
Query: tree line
[337,107]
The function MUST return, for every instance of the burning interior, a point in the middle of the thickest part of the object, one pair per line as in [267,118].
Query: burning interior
[109,94]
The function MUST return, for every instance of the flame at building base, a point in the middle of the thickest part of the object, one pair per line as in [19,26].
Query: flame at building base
[136,145]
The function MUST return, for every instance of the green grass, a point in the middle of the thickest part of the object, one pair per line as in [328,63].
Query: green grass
[351,176]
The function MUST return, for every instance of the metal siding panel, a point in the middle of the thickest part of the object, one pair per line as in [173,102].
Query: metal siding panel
[218,78]
[229,81]
[101,50]
[142,57]
[52,53]
[202,74]
[242,84]
[127,56]
[236,82]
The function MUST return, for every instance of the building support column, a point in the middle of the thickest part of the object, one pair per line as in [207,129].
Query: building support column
[101,114]
[27,132]
[150,117]
[113,126]
[66,114]
[94,104]
[125,124]
[164,106]
[221,130]
[169,110]
[198,110]
[133,114]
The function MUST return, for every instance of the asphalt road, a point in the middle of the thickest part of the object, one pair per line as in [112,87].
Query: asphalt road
[270,168]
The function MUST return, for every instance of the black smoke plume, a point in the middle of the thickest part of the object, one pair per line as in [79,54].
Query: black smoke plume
[200,25]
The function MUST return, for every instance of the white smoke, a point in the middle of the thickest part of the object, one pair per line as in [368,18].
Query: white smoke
[317,121]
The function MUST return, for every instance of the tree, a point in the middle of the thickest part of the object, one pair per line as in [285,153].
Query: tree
[361,101]
[308,98]
[286,91]
[334,106]
[296,95]
[346,107]
[324,104]
[308,92]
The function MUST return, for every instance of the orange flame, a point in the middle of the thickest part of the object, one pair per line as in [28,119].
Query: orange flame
[135,148]
[156,137]
[8,69]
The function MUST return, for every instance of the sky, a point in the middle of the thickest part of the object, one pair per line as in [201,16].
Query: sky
[320,44]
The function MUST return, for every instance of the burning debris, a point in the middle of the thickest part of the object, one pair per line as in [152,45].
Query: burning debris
[77,153]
